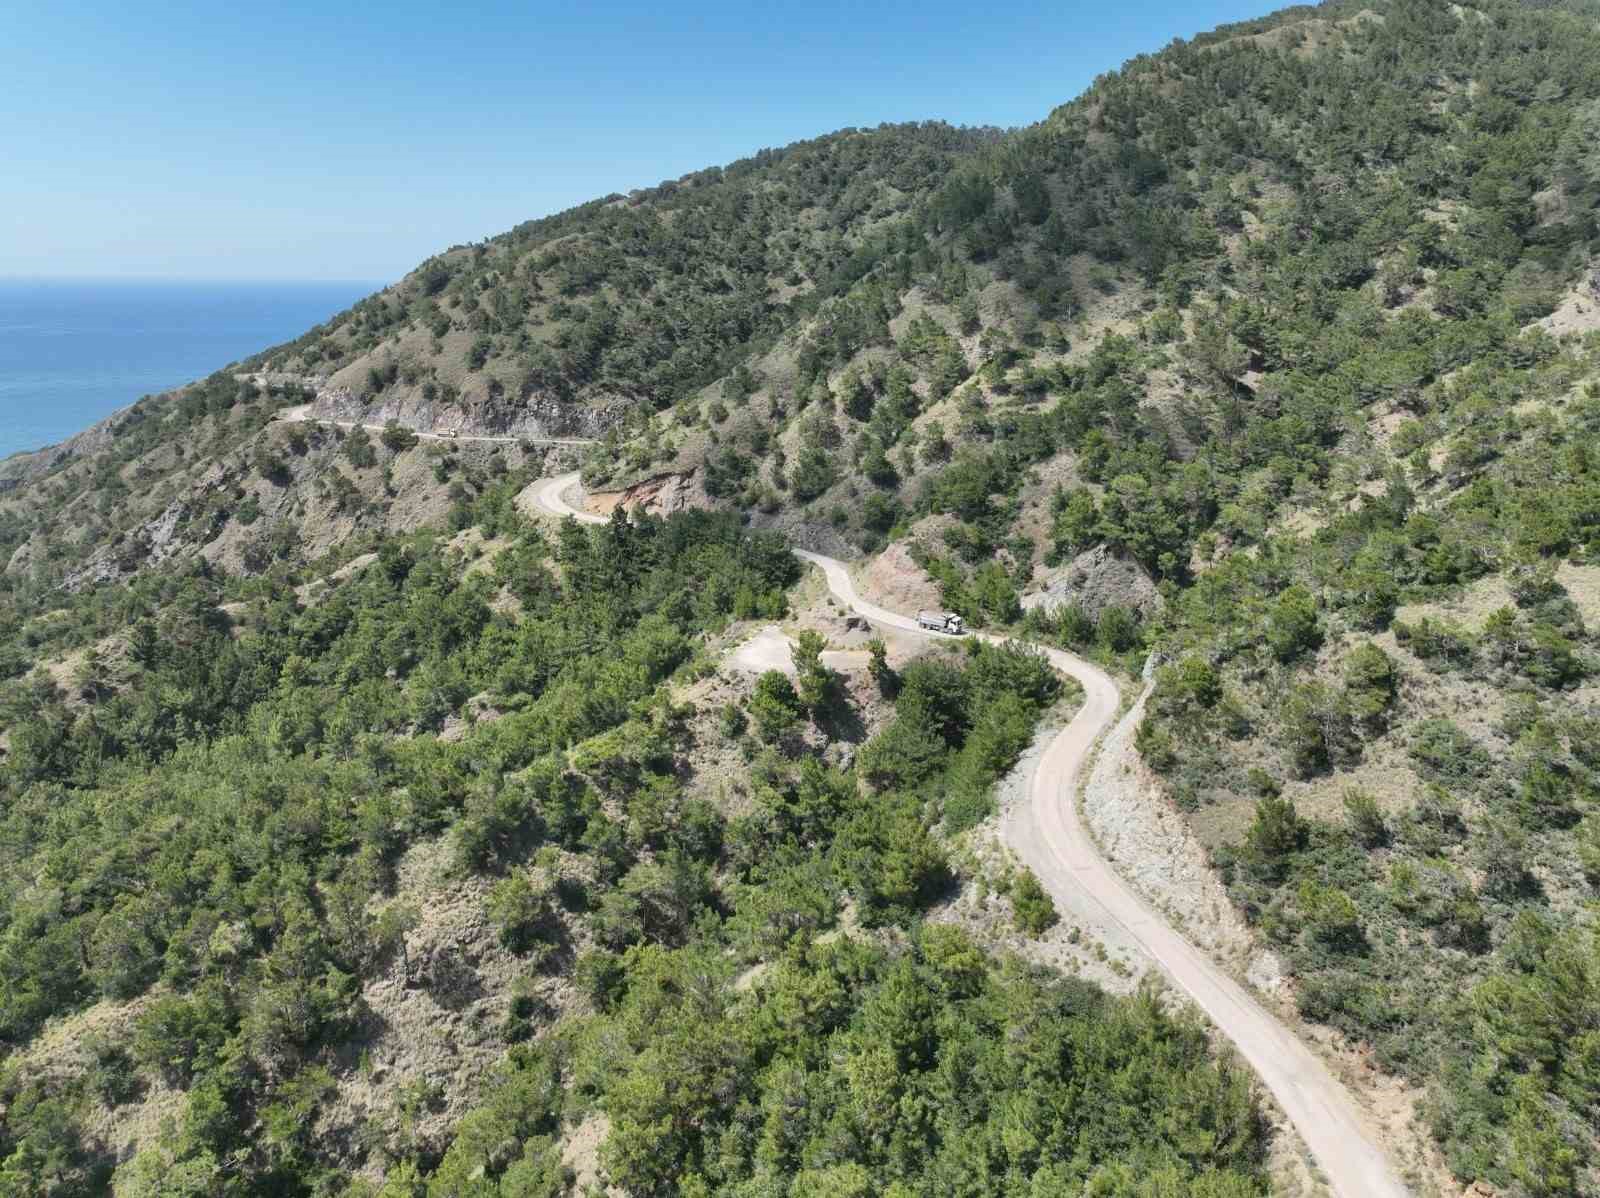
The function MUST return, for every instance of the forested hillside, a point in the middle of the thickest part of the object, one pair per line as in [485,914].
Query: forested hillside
[206,904]
[638,299]
[1276,353]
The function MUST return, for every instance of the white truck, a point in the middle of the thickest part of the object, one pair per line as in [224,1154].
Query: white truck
[941,621]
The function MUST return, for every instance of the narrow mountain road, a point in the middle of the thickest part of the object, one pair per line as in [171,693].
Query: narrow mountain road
[302,415]
[1050,836]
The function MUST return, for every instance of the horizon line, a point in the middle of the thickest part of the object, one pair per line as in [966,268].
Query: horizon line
[145,278]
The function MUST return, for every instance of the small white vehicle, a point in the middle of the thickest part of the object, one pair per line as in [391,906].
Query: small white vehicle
[449,434]
[941,621]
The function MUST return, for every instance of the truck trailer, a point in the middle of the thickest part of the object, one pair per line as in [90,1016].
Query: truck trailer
[941,621]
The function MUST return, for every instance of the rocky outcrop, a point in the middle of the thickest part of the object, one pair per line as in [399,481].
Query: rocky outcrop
[537,415]
[155,542]
[893,577]
[1096,579]
[665,494]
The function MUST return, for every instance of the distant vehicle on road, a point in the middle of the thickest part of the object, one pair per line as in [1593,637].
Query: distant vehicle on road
[449,434]
[941,621]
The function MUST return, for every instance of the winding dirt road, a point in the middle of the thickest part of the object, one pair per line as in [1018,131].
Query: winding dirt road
[1048,833]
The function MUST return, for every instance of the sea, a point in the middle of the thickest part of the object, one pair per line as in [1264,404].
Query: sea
[74,351]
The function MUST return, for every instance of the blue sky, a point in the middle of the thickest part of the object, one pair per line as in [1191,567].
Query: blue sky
[313,141]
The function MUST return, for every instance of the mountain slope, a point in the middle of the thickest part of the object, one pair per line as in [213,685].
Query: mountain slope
[1277,352]
[825,255]
[565,324]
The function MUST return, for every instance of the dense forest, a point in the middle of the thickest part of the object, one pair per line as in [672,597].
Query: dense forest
[1298,321]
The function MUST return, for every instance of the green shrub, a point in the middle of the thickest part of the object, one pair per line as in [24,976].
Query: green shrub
[818,686]
[813,473]
[112,1075]
[397,438]
[1331,916]
[1274,837]
[1446,754]
[774,706]
[1370,683]
[358,448]
[1588,848]
[1292,624]
[1031,905]
[1365,819]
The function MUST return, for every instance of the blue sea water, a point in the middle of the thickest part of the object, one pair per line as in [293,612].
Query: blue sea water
[74,351]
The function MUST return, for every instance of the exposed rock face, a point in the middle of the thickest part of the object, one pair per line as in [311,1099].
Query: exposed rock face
[894,579]
[23,559]
[665,494]
[1096,579]
[157,541]
[537,415]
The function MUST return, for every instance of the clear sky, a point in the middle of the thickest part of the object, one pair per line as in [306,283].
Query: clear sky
[350,141]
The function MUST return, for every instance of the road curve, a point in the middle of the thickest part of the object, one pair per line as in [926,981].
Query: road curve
[1049,834]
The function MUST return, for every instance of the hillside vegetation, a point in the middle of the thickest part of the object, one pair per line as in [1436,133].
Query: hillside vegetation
[1296,325]
[205,880]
